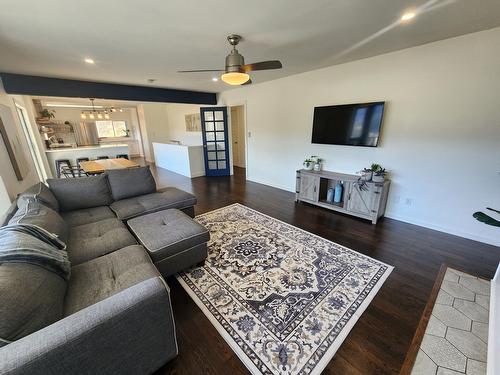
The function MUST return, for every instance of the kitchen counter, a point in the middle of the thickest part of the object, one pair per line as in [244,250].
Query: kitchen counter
[95,147]
[91,152]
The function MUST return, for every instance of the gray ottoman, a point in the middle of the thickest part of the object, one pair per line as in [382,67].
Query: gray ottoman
[174,240]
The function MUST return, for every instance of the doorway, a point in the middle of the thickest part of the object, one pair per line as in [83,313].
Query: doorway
[238,136]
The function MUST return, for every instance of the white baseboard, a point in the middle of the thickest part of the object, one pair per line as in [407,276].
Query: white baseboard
[443,228]
[268,184]
[197,174]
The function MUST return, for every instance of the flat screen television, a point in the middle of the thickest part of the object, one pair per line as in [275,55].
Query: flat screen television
[348,124]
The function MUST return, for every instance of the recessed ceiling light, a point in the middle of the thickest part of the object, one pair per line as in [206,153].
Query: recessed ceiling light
[215,79]
[408,16]
[89,61]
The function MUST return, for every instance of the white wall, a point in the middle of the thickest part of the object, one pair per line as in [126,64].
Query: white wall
[154,120]
[165,122]
[177,123]
[440,136]
[7,173]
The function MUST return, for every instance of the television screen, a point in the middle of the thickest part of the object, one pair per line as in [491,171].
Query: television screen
[348,124]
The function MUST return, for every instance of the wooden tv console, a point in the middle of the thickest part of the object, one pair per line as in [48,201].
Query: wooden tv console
[368,202]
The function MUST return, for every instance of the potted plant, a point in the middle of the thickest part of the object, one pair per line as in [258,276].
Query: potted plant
[317,164]
[47,114]
[375,167]
[379,176]
[308,164]
[366,174]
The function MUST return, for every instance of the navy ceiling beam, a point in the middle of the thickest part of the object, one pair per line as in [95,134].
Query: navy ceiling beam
[44,86]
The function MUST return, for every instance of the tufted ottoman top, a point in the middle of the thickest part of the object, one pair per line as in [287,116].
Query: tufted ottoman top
[166,233]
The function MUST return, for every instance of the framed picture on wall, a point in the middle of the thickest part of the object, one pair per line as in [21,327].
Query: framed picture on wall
[12,143]
[193,122]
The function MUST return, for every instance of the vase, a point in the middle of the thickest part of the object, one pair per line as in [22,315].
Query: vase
[376,178]
[308,165]
[317,167]
[366,175]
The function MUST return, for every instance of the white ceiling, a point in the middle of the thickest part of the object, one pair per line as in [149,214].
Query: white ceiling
[132,40]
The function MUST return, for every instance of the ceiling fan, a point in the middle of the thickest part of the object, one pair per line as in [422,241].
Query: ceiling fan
[236,72]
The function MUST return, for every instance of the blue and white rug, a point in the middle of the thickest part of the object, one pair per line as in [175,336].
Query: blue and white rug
[284,299]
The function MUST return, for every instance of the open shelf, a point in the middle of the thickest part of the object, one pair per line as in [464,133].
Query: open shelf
[326,184]
[340,204]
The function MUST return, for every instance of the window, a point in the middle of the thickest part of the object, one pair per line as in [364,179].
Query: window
[109,128]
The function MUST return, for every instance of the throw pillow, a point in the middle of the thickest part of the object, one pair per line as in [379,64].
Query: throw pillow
[131,182]
[78,193]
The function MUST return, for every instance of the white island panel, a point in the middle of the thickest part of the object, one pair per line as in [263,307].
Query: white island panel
[183,159]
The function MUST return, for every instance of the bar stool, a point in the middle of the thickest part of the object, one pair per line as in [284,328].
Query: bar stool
[78,161]
[60,163]
[102,157]
[123,156]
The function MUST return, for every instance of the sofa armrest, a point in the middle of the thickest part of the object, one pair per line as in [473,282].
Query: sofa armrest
[131,332]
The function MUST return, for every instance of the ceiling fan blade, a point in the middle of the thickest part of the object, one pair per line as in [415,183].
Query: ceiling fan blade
[200,70]
[263,65]
[247,82]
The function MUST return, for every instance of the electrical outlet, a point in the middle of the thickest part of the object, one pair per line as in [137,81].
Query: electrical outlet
[249,134]
[409,201]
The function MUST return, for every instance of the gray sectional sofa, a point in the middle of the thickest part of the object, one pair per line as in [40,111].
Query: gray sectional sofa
[78,294]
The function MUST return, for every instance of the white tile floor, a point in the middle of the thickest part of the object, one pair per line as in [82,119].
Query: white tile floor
[456,337]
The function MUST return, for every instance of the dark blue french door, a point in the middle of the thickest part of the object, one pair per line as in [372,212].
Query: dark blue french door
[215,140]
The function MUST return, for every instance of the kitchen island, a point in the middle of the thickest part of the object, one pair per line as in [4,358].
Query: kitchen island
[91,152]
[187,160]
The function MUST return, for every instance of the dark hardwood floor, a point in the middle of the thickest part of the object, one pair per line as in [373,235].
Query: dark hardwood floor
[380,339]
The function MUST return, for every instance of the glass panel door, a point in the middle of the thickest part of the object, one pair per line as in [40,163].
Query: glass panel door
[215,141]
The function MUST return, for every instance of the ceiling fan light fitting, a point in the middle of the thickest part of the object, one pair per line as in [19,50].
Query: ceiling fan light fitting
[235,78]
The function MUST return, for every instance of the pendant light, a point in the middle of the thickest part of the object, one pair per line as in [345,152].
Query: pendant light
[235,78]
[100,114]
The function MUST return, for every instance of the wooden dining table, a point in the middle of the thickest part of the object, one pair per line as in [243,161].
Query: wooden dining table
[103,165]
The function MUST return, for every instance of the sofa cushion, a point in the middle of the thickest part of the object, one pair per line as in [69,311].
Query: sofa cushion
[87,215]
[78,193]
[90,241]
[31,298]
[105,276]
[168,198]
[38,214]
[167,233]
[39,193]
[131,182]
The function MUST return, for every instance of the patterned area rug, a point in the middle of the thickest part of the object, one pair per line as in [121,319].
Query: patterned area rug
[284,299]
